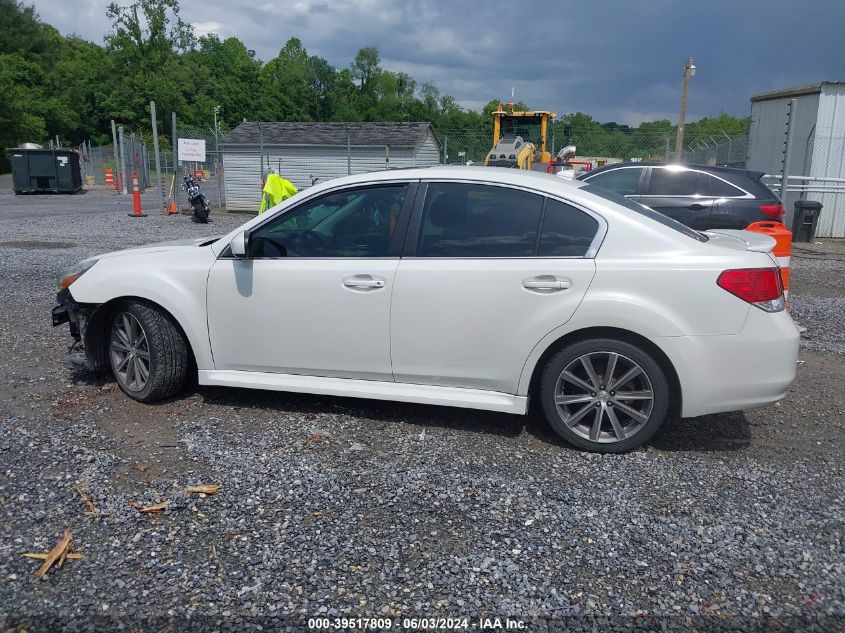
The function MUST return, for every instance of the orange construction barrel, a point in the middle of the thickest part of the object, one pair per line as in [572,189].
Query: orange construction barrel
[783,246]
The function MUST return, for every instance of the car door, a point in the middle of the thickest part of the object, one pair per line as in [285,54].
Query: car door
[624,181]
[477,287]
[681,193]
[312,297]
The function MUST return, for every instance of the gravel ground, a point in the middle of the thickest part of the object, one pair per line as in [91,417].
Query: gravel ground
[353,508]
[818,298]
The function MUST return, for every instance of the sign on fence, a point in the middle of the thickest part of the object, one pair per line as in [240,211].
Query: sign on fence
[192,149]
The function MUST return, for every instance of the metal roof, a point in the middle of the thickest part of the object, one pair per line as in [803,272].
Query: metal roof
[794,92]
[329,134]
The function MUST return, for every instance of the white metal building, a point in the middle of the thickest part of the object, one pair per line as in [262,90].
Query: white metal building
[306,153]
[818,144]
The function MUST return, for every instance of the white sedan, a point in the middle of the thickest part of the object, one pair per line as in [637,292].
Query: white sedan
[459,286]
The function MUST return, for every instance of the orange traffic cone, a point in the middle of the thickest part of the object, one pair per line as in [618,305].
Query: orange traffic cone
[136,198]
[172,208]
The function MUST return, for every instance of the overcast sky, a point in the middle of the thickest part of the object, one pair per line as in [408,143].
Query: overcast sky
[618,60]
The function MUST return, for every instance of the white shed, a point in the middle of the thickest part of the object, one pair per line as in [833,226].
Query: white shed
[306,153]
[818,145]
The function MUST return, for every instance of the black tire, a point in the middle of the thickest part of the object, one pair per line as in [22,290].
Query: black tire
[166,352]
[649,416]
[200,214]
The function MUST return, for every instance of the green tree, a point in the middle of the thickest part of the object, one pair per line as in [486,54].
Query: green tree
[145,47]
[365,68]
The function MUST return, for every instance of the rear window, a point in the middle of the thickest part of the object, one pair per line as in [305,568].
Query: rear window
[674,182]
[643,210]
[721,189]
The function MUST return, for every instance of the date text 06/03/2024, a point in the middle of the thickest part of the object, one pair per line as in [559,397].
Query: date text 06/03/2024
[448,624]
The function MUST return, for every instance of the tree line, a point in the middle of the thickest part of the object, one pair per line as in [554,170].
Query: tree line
[53,84]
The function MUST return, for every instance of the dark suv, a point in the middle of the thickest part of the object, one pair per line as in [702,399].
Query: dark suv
[700,196]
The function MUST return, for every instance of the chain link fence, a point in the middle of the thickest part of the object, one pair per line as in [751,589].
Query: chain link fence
[460,147]
[210,170]
[94,160]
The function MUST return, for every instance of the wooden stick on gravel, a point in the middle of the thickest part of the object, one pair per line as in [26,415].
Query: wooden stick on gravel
[59,551]
[211,489]
[39,556]
[92,509]
[158,507]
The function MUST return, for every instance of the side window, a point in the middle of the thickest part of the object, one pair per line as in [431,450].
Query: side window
[721,189]
[353,223]
[623,181]
[566,232]
[475,220]
[675,182]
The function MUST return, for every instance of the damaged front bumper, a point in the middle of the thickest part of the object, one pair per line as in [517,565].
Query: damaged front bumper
[78,316]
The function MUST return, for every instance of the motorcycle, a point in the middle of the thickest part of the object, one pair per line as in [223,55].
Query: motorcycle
[196,198]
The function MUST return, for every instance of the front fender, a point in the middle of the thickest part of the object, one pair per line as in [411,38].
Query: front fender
[176,281]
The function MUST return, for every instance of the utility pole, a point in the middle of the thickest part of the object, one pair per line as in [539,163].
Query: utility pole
[689,71]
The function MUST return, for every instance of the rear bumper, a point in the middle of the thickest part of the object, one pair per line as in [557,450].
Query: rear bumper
[743,371]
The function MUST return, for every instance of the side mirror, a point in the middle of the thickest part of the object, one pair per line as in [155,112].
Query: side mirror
[240,244]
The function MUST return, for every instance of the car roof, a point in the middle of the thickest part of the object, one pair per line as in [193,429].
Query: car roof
[713,169]
[537,180]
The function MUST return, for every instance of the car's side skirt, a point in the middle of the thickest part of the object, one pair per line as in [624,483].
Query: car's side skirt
[377,390]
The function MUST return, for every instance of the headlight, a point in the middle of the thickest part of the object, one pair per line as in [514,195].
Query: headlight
[75,272]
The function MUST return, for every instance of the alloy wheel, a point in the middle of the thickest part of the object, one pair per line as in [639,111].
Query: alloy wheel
[130,352]
[604,397]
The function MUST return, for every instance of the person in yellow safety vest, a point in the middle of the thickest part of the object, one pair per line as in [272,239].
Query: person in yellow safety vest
[275,190]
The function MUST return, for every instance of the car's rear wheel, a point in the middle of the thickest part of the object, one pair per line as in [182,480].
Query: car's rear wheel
[147,352]
[604,395]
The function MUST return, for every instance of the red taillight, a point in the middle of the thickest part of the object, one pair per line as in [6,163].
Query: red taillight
[758,286]
[772,210]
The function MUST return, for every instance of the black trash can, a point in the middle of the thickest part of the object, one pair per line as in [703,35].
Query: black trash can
[805,219]
[46,170]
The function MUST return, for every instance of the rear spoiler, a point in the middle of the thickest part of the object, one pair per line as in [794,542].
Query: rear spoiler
[741,240]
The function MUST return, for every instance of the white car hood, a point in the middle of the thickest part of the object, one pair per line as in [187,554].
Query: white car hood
[169,245]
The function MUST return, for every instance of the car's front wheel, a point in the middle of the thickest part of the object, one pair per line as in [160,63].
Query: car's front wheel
[147,352]
[604,395]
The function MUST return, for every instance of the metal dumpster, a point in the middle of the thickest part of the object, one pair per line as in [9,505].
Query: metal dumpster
[45,170]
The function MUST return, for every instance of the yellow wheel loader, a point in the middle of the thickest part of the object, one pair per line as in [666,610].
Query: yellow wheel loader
[519,139]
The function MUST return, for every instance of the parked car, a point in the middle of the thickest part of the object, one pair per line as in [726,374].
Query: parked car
[701,196]
[458,286]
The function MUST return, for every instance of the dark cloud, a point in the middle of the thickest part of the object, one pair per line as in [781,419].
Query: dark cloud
[615,59]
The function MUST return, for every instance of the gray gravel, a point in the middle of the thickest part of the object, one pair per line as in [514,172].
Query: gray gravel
[822,310]
[333,507]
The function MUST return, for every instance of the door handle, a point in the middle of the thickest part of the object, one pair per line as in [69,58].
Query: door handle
[548,283]
[695,206]
[363,282]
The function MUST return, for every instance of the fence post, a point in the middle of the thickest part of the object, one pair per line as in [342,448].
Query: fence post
[445,148]
[157,156]
[791,107]
[348,152]
[260,155]
[117,173]
[123,189]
